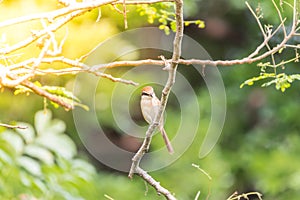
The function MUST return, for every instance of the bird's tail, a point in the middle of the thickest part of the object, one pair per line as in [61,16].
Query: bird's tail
[167,141]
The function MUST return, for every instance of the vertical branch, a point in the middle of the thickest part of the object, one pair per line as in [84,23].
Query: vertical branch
[171,67]
[177,43]
[125,14]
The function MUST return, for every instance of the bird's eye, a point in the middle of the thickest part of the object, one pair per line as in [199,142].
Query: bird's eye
[146,94]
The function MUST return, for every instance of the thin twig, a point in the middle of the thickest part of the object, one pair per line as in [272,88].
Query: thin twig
[236,196]
[201,170]
[13,126]
[280,17]
[37,34]
[142,2]
[108,197]
[77,68]
[86,5]
[52,15]
[125,14]
[197,195]
[265,34]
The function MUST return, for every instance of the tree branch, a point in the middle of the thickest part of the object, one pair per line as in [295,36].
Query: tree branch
[13,126]
[52,15]
[171,67]
[51,97]
[151,181]
[77,6]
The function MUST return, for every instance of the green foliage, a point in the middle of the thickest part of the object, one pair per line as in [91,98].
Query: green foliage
[287,55]
[199,23]
[60,92]
[282,81]
[165,15]
[40,162]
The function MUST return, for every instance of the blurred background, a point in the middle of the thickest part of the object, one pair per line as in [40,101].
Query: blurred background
[259,146]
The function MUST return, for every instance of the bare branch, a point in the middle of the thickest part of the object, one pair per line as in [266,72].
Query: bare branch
[280,17]
[52,15]
[265,34]
[120,80]
[125,14]
[51,28]
[172,67]
[236,196]
[134,63]
[13,126]
[160,189]
[142,2]
[78,6]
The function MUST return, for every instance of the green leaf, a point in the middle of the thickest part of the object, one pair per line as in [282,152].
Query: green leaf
[295,76]
[173,26]
[14,140]
[162,27]
[4,157]
[186,23]
[40,153]
[266,64]
[258,78]
[31,165]
[281,50]
[33,183]
[37,84]
[22,90]
[83,169]
[142,13]
[44,124]
[60,144]
[167,30]
[83,165]
[55,105]
[27,134]
[70,101]
[60,91]
[200,23]
[163,20]
[150,20]
[269,83]
[42,120]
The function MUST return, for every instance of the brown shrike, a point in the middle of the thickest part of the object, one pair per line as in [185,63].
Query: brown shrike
[149,106]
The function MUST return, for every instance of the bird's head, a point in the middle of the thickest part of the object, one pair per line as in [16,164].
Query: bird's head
[148,91]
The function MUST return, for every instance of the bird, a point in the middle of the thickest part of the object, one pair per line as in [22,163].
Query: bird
[150,105]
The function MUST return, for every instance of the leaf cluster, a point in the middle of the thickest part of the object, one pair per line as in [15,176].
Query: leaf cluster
[40,162]
[60,92]
[164,14]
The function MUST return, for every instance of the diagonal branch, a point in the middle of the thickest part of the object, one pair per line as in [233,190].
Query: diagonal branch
[52,15]
[77,6]
[160,189]
[51,97]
